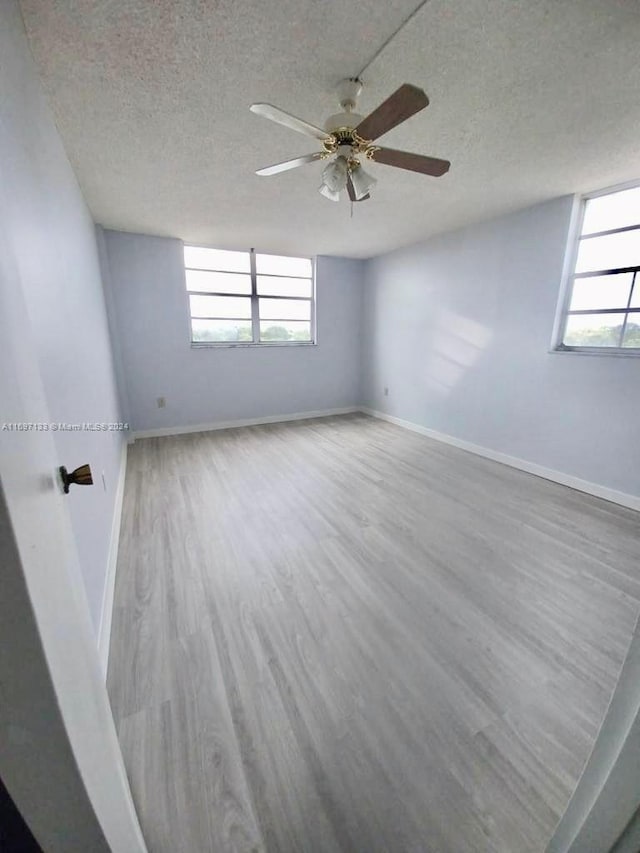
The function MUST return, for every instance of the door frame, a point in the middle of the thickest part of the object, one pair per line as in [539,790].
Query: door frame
[606,800]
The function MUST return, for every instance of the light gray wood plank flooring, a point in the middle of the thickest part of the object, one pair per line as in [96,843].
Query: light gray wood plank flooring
[337,635]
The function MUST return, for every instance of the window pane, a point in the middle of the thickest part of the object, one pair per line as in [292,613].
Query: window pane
[218,282]
[610,252]
[593,330]
[216,259]
[221,306]
[281,265]
[612,211]
[216,331]
[284,330]
[273,286]
[635,296]
[284,309]
[601,291]
[632,332]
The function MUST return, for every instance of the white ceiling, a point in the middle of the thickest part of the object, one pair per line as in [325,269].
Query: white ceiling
[529,100]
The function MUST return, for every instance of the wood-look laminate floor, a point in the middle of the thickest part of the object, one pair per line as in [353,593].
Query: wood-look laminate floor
[337,635]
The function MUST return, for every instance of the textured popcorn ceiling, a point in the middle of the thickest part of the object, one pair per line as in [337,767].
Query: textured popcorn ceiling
[529,100]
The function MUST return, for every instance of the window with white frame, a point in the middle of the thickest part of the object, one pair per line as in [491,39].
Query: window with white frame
[602,308]
[248,297]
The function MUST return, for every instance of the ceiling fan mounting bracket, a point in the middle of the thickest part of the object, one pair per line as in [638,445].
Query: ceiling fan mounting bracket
[348,93]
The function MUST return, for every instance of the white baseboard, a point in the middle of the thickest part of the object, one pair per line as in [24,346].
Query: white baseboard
[268,419]
[630,501]
[104,633]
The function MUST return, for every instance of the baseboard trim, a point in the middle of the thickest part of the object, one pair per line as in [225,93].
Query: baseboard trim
[104,633]
[268,419]
[621,498]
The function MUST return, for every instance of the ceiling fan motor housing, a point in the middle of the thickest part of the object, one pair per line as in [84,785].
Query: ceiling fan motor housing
[342,120]
[348,93]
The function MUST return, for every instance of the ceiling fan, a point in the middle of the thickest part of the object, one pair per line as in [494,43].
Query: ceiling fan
[349,137]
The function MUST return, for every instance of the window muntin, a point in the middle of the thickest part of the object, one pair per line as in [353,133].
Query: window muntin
[249,298]
[602,252]
[284,309]
[205,281]
[220,307]
[220,331]
[603,307]
[272,285]
[611,210]
[284,330]
[200,258]
[283,266]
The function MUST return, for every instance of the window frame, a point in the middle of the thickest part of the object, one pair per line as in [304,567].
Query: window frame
[569,275]
[254,298]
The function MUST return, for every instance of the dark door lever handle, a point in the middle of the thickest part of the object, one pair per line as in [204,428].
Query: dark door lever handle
[81,477]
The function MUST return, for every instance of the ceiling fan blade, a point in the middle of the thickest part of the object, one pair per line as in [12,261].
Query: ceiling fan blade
[293,123]
[352,191]
[412,162]
[405,102]
[289,164]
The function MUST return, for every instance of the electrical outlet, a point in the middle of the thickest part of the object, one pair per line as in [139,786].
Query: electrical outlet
[162,402]
[386,391]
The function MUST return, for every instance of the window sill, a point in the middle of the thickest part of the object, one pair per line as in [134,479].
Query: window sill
[250,345]
[608,352]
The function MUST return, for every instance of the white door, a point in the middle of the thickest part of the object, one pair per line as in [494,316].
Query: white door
[59,754]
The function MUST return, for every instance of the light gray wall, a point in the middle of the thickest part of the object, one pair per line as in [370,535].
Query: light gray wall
[51,236]
[459,330]
[114,334]
[204,385]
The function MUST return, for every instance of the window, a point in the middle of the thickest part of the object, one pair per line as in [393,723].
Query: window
[249,298]
[602,310]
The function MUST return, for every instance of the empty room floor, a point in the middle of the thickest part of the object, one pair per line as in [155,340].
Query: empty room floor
[338,635]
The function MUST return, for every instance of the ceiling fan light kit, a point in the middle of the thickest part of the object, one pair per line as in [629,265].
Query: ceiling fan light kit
[362,182]
[336,174]
[348,138]
[332,195]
